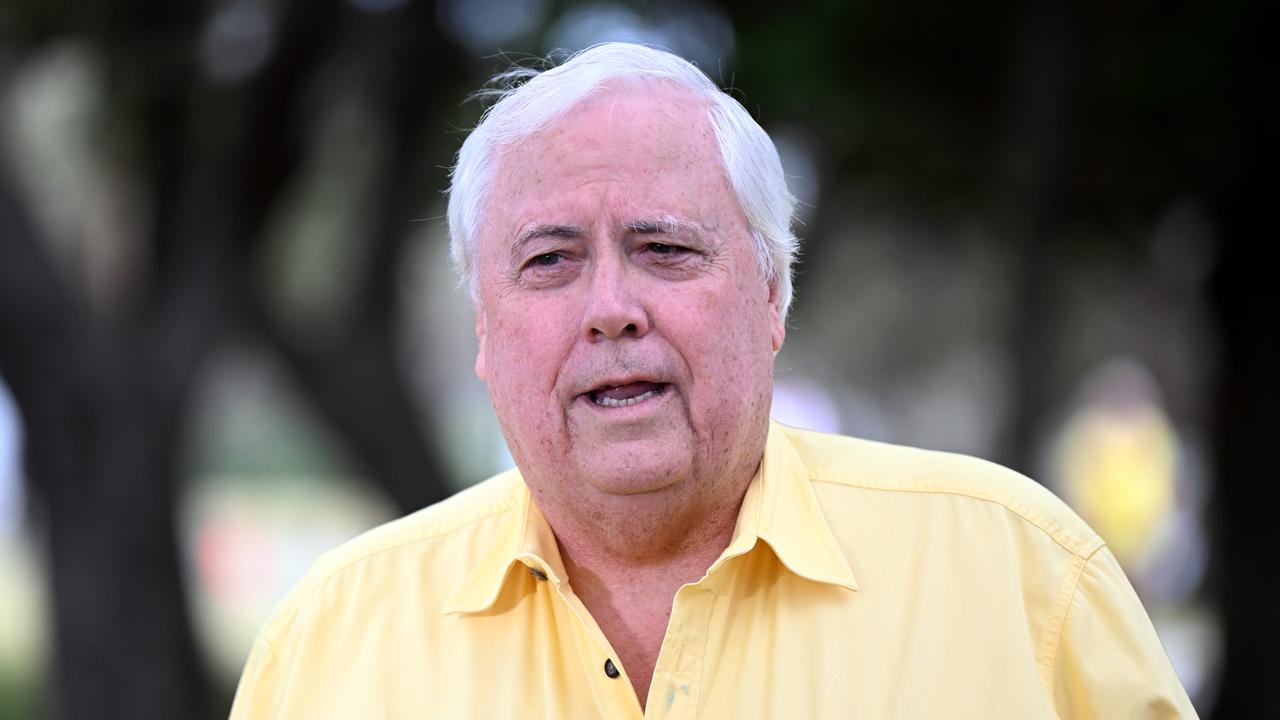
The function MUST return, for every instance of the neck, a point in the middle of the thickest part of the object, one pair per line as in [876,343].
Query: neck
[685,557]
[643,535]
[631,604]
[628,587]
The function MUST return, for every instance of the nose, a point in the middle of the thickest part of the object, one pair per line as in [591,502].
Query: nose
[616,307]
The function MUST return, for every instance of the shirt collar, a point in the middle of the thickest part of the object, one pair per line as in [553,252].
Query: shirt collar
[525,538]
[779,508]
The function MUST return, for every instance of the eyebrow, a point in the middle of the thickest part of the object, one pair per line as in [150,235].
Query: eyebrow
[534,232]
[662,224]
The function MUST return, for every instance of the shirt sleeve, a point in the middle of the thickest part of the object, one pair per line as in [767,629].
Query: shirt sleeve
[1109,662]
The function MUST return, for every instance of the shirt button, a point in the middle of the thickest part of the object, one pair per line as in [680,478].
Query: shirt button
[537,573]
[610,670]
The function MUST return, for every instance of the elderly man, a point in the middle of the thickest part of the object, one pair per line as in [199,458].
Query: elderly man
[662,549]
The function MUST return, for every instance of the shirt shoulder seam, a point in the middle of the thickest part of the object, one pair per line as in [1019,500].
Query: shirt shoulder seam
[1082,547]
[269,656]
[1057,622]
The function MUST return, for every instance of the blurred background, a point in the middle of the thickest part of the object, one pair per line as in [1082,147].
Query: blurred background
[230,337]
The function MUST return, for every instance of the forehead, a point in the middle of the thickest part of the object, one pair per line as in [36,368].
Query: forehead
[641,150]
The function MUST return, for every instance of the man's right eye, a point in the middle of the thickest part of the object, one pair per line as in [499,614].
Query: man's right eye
[549,269]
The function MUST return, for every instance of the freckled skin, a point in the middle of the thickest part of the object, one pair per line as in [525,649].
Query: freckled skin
[641,499]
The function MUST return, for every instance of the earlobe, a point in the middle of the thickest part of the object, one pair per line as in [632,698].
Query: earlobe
[778,327]
[480,340]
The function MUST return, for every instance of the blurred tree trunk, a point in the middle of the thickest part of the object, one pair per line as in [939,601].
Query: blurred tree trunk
[1247,514]
[1045,44]
[353,377]
[1246,501]
[103,396]
[102,430]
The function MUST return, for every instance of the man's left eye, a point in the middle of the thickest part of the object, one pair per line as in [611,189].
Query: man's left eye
[664,249]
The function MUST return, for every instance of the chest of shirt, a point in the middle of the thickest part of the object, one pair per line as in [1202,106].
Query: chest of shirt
[753,641]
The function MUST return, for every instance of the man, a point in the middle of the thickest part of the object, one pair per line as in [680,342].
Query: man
[662,549]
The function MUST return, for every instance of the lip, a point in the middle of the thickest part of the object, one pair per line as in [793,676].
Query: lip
[616,381]
[585,396]
[649,406]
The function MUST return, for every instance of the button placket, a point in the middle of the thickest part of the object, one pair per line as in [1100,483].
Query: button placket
[617,699]
[680,661]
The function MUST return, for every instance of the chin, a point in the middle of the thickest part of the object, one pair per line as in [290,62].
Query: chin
[630,474]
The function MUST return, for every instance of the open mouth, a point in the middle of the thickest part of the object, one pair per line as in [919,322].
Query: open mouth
[615,396]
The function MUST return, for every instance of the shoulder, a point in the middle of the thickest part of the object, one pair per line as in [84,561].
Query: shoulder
[865,465]
[436,522]
[439,541]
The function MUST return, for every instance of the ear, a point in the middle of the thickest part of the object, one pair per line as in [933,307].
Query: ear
[778,328]
[480,342]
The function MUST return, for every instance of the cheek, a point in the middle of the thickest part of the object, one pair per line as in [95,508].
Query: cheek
[728,344]
[525,347]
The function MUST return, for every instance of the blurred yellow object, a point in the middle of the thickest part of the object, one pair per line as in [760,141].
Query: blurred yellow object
[1118,464]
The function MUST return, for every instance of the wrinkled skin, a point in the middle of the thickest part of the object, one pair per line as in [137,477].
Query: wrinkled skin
[616,266]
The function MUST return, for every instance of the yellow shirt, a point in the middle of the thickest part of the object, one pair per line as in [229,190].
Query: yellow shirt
[862,580]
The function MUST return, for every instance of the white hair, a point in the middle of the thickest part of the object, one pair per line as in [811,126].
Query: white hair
[528,101]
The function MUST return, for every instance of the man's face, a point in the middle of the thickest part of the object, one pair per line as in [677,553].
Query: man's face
[625,328]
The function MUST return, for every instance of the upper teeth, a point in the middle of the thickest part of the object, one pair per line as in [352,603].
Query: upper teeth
[608,402]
